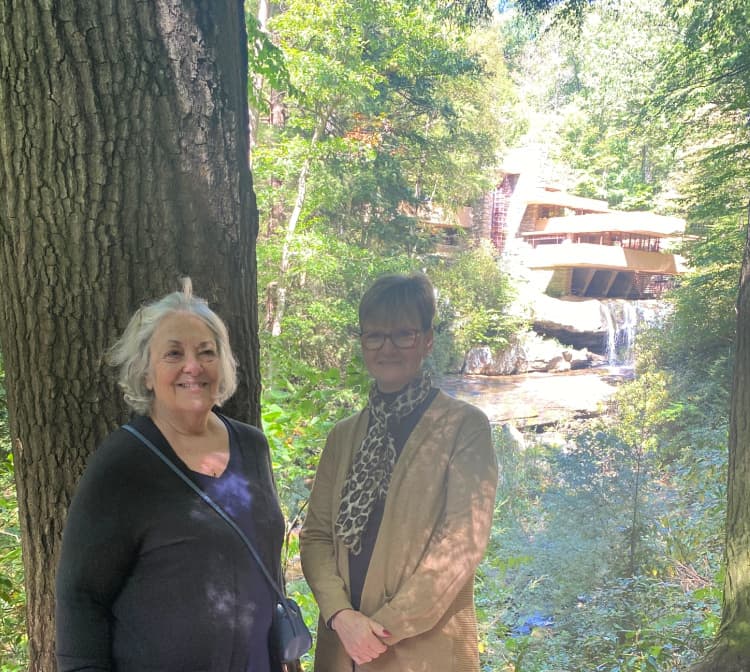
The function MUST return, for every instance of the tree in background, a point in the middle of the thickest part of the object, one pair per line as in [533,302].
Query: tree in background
[640,100]
[703,86]
[124,144]
[587,85]
[398,110]
[699,95]
[731,651]
[706,83]
[474,306]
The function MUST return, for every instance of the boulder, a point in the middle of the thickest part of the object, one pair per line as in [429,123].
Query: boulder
[559,363]
[483,361]
[576,322]
[529,352]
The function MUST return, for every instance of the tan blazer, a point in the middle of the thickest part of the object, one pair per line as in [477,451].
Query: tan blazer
[435,527]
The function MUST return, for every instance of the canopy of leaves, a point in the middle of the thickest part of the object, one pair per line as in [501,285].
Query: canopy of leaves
[587,88]
[474,299]
[394,106]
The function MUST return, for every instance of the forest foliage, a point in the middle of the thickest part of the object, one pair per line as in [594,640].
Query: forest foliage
[368,110]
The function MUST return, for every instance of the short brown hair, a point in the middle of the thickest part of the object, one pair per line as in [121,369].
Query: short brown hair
[393,297]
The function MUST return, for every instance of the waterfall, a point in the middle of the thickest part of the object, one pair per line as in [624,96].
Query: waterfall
[621,320]
[611,352]
[626,333]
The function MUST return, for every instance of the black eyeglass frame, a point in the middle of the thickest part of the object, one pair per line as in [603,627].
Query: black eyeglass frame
[393,336]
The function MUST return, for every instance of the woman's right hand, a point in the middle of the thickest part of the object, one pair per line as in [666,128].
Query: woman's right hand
[360,635]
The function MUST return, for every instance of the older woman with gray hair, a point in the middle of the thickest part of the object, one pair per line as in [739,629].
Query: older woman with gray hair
[150,578]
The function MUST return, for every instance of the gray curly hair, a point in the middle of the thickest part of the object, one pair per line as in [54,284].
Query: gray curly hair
[130,353]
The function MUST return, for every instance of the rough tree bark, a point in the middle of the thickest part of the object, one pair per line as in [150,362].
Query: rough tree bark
[123,166]
[731,651]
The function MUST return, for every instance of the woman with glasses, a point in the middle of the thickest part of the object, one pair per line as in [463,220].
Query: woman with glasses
[401,508]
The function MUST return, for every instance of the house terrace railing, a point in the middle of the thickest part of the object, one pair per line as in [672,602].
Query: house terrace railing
[630,242]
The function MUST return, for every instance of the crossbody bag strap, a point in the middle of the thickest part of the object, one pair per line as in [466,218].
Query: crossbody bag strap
[212,504]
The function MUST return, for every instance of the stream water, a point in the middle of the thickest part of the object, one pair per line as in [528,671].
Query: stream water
[537,398]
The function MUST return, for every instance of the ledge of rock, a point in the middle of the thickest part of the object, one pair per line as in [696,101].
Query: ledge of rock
[528,353]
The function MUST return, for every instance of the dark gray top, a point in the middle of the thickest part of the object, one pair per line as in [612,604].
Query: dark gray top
[151,578]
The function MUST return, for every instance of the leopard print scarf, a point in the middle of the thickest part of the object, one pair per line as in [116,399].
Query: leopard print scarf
[370,473]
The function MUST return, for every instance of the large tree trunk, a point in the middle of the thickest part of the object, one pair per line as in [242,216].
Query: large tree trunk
[731,651]
[123,166]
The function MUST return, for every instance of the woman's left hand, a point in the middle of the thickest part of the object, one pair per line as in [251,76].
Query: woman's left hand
[360,635]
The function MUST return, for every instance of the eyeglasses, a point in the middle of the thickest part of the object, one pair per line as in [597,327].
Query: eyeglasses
[403,339]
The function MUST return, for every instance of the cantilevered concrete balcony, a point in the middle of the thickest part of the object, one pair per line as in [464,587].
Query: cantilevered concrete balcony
[610,257]
[603,271]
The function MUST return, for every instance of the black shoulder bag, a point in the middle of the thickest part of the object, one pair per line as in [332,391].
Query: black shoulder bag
[289,634]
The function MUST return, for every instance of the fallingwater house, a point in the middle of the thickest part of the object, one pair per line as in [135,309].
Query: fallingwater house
[575,247]
[593,271]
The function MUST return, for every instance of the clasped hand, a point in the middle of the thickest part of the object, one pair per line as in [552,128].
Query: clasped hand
[360,635]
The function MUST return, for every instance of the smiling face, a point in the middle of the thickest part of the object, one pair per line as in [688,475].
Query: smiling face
[392,367]
[184,366]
